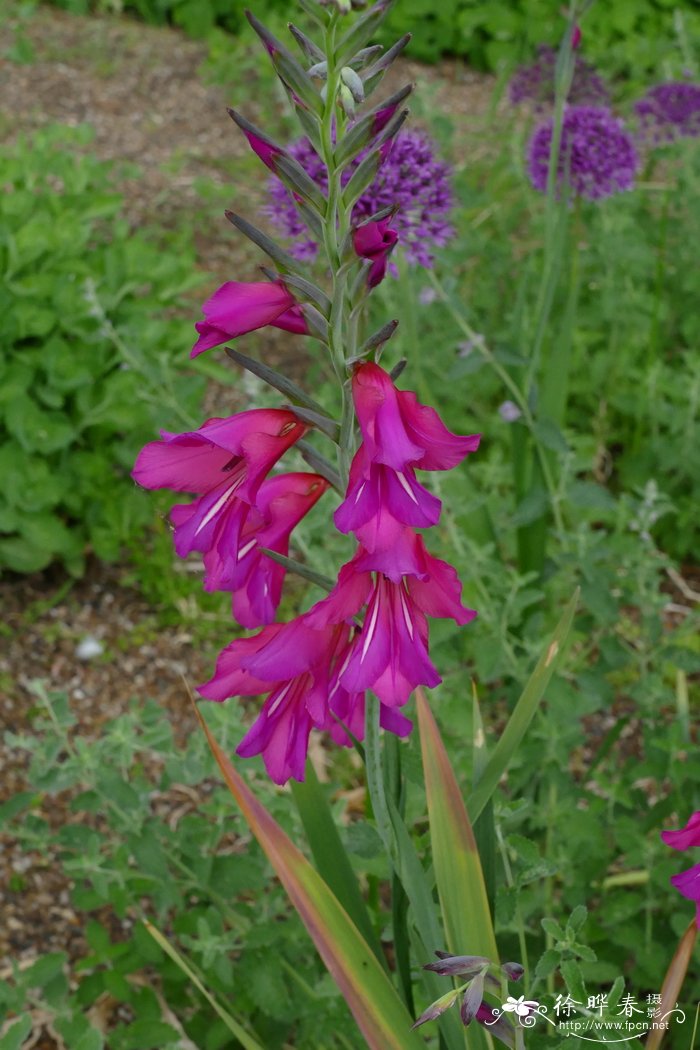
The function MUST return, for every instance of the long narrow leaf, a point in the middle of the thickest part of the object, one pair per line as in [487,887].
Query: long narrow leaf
[460,880]
[380,1015]
[673,982]
[331,859]
[237,1030]
[426,932]
[522,715]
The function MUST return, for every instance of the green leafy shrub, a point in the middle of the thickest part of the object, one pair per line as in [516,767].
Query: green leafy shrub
[85,354]
[627,36]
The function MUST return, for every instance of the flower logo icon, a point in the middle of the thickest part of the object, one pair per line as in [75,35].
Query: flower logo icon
[522,1007]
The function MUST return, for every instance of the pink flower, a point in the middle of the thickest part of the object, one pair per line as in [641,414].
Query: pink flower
[225,461]
[684,838]
[377,493]
[384,115]
[298,666]
[238,307]
[263,148]
[687,882]
[375,241]
[398,430]
[390,653]
[399,435]
[236,561]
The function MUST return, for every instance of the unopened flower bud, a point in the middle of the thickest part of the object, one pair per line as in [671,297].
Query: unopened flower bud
[437,1008]
[349,77]
[319,70]
[472,999]
[344,6]
[458,965]
[513,970]
[347,100]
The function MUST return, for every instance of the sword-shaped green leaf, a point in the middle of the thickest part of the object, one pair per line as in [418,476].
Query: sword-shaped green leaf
[380,1015]
[458,874]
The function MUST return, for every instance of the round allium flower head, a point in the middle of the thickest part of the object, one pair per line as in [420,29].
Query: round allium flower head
[597,155]
[536,83]
[669,111]
[411,179]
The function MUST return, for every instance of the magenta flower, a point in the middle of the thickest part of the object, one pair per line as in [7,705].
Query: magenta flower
[236,561]
[225,462]
[281,732]
[390,653]
[316,669]
[399,434]
[687,882]
[375,241]
[398,430]
[380,495]
[298,666]
[239,307]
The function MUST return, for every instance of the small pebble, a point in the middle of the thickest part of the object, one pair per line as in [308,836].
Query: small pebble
[89,647]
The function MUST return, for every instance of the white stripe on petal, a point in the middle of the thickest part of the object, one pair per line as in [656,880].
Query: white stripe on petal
[278,699]
[406,613]
[244,550]
[405,486]
[213,511]
[371,627]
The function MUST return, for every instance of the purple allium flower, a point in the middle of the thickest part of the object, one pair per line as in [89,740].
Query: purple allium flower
[668,112]
[535,83]
[411,179]
[597,154]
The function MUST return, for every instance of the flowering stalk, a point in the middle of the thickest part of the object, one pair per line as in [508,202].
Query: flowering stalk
[347,665]
[335,232]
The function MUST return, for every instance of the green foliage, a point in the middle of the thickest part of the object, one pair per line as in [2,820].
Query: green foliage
[628,37]
[149,836]
[86,354]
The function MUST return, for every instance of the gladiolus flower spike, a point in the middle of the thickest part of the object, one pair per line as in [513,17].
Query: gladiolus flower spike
[359,191]
[371,632]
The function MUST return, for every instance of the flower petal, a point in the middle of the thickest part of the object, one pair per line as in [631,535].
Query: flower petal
[686,837]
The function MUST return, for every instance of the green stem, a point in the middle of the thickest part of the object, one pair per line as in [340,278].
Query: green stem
[510,883]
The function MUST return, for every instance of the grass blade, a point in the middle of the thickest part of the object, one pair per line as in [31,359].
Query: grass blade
[238,1031]
[460,880]
[522,715]
[380,1015]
